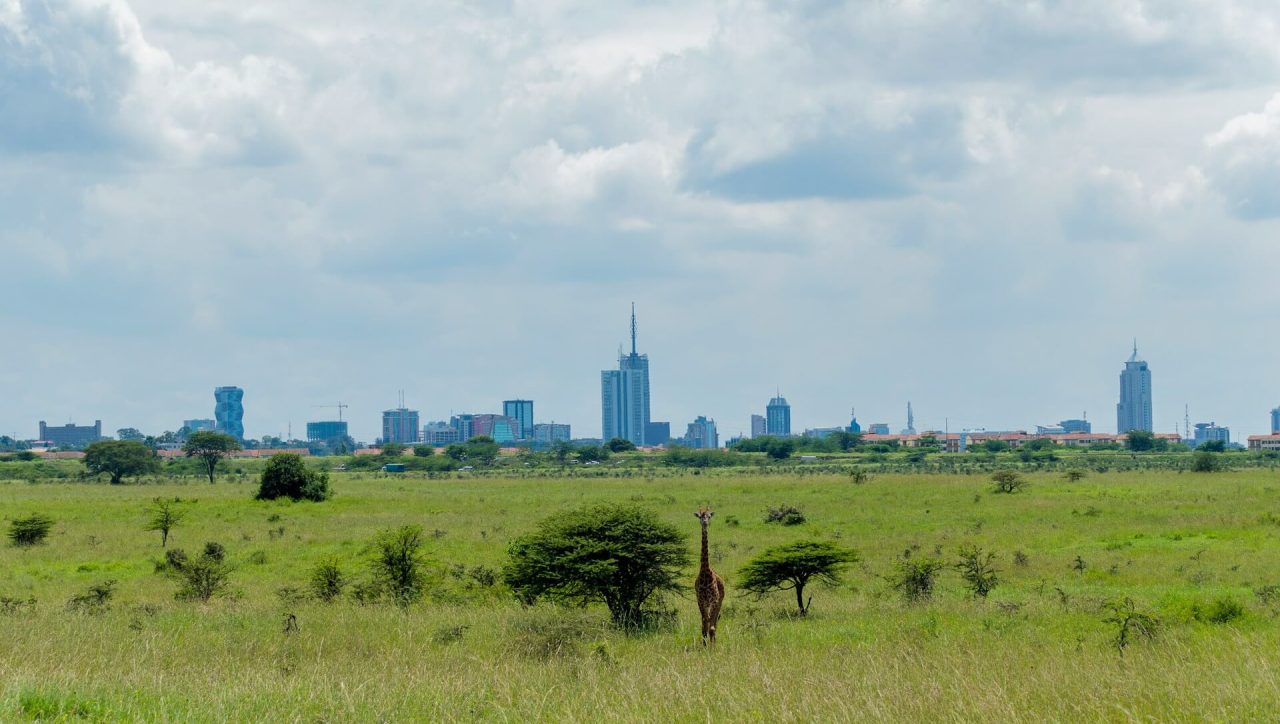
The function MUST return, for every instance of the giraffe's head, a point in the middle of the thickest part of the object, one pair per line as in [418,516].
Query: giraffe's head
[704,514]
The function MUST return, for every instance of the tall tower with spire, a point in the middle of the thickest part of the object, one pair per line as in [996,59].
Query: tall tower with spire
[1133,411]
[624,395]
[911,421]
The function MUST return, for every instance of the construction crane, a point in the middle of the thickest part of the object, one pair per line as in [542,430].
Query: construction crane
[341,406]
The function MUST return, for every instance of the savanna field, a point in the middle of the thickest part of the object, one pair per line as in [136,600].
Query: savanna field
[1198,553]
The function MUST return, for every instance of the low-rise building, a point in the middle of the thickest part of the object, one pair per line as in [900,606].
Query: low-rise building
[70,434]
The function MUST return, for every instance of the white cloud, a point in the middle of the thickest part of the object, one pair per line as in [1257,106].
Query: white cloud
[1244,162]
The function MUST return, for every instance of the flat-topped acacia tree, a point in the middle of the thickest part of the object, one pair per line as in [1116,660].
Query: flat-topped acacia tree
[210,447]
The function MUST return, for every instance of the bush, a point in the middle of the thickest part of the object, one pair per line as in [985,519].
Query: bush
[784,514]
[328,580]
[977,571]
[1205,461]
[791,567]
[287,476]
[119,459]
[202,578]
[423,451]
[30,531]
[1008,481]
[1222,610]
[94,600]
[1129,622]
[398,564]
[916,578]
[619,555]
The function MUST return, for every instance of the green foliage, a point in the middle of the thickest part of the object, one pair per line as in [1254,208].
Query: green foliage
[287,476]
[1213,446]
[1129,622]
[1140,441]
[1220,610]
[164,517]
[784,514]
[619,444]
[1008,481]
[1075,476]
[95,600]
[328,580]
[119,459]
[200,578]
[1206,461]
[620,555]
[792,566]
[916,578]
[683,457]
[392,450]
[478,451]
[977,570]
[995,446]
[30,531]
[424,451]
[210,447]
[399,566]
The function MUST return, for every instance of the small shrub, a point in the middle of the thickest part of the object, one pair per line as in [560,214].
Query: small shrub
[732,521]
[204,577]
[174,560]
[94,600]
[977,570]
[449,634]
[1222,610]
[1129,622]
[258,558]
[399,565]
[328,580]
[860,477]
[1020,559]
[916,578]
[484,576]
[784,514]
[1205,462]
[13,606]
[30,531]
[1008,481]
[1076,476]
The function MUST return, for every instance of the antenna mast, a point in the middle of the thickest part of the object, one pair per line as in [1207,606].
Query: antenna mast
[633,328]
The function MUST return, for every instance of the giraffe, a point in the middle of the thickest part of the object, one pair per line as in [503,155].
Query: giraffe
[708,585]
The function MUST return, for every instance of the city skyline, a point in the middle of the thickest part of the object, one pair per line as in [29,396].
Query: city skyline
[1135,389]
[886,207]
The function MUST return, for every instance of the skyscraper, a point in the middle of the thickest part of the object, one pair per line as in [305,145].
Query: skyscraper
[757,425]
[624,395]
[702,434]
[1133,412]
[400,425]
[522,411]
[777,417]
[1275,421]
[910,429]
[229,411]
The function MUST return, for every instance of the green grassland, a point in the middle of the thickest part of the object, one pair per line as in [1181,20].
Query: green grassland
[1037,649]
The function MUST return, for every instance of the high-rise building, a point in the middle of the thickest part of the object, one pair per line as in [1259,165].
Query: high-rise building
[326,430]
[522,412]
[1275,421]
[910,429]
[1133,412]
[702,434]
[757,425]
[400,425]
[1210,432]
[853,427]
[878,428]
[624,395]
[229,411]
[499,427]
[777,417]
[545,433]
[657,433]
[71,435]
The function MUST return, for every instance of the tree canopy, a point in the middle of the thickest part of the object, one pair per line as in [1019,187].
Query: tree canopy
[620,555]
[119,459]
[793,566]
[287,476]
[210,447]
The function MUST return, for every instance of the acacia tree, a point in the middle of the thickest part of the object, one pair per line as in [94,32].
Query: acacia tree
[210,447]
[119,459]
[793,566]
[165,516]
[620,555]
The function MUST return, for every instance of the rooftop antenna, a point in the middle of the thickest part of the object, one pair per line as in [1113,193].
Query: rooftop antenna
[1186,421]
[633,328]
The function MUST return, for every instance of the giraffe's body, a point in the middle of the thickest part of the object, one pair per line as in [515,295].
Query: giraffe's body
[708,586]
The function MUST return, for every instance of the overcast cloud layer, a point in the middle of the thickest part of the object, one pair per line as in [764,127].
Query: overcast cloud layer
[972,205]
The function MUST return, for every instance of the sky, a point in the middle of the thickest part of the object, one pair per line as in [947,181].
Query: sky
[974,206]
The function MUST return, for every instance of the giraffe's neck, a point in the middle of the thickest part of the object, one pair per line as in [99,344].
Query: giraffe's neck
[706,564]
